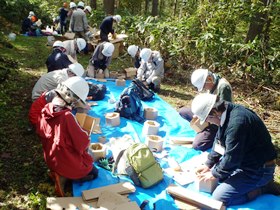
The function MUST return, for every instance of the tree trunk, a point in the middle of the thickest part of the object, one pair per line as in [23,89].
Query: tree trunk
[146,6]
[175,7]
[257,23]
[155,8]
[161,7]
[93,4]
[109,6]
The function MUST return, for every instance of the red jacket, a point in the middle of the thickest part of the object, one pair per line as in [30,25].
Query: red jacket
[36,108]
[64,143]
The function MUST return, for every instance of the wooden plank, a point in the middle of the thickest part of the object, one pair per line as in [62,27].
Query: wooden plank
[111,197]
[121,188]
[194,198]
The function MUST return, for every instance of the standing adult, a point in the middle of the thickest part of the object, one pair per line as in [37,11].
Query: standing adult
[50,80]
[79,22]
[151,70]
[242,157]
[106,26]
[205,80]
[134,52]
[101,59]
[57,59]
[63,17]
[65,143]
[74,45]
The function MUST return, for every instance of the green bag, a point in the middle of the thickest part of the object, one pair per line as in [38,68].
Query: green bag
[142,167]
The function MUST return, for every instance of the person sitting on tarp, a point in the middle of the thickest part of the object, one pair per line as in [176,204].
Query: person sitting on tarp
[106,27]
[51,79]
[151,70]
[74,45]
[134,52]
[101,59]
[63,17]
[242,157]
[205,80]
[58,59]
[65,143]
[28,24]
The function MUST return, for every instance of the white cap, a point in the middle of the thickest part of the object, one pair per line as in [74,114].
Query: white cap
[31,13]
[76,85]
[58,44]
[77,69]
[117,18]
[108,49]
[145,54]
[81,4]
[88,8]
[198,78]
[72,5]
[202,105]
[132,50]
[81,43]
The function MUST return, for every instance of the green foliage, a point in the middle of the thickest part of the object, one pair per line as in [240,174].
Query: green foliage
[213,37]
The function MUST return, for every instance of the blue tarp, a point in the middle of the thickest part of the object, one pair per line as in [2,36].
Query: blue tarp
[171,124]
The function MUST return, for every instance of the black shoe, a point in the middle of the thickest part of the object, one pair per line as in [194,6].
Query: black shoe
[271,187]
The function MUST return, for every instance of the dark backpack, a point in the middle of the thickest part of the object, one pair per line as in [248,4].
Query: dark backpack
[129,105]
[97,91]
[141,165]
[142,91]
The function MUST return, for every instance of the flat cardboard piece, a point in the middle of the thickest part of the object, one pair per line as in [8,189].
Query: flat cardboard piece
[69,203]
[111,197]
[127,206]
[194,198]
[121,188]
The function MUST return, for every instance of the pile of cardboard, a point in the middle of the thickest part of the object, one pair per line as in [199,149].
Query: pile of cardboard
[112,197]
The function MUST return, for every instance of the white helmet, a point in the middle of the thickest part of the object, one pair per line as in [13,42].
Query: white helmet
[72,5]
[88,8]
[145,54]
[117,18]
[81,43]
[108,49]
[132,50]
[77,69]
[81,4]
[198,78]
[31,13]
[58,44]
[202,105]
[72,88]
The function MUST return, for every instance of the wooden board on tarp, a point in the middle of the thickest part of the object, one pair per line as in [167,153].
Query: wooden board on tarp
[69,203]
[194,198]
[121,188]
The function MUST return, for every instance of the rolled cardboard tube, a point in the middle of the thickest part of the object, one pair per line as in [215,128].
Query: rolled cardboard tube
[113,119]
[150,113]
[154,142]
[97,151]
[150,127]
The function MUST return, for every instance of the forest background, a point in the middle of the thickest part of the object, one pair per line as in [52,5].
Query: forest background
[238,39]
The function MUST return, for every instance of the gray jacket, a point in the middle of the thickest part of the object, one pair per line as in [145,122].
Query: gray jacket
[78,22]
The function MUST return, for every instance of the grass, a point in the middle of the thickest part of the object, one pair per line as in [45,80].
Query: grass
[24,181]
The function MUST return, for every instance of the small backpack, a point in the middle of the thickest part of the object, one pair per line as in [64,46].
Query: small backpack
[129,105]
[144,93]
[97,91]
[141,165]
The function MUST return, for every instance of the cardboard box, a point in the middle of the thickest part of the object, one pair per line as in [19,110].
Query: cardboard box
[88,123]
[195,124]
[130,72]
[206,186]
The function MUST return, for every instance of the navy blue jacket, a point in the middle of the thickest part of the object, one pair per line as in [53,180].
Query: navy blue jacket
[106,26]
[246,140]
[57,60]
